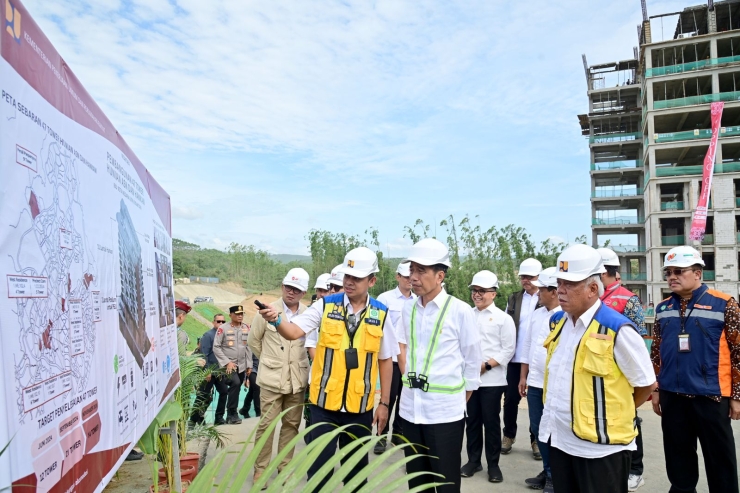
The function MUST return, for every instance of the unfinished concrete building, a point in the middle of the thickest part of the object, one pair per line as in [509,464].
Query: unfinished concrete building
[648,126]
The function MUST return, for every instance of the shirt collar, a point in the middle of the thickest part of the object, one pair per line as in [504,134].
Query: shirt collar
[438,300]
[286,309]
[588,315]
[612,286]
[490,308]
[400,295]
[346,301]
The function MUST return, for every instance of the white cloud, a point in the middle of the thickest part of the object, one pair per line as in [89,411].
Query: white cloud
[187,213]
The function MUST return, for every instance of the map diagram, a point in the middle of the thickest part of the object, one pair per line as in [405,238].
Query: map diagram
[55,285]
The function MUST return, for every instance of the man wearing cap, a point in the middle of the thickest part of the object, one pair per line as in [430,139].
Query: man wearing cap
[443,368]
[394,300]
[181,312]
[533,368]
[696,354]
[235,357]
[356,341]
[520,307]
[597,373]
[336,278]
[497,341]
[284,374]
[322,286]
[621,299]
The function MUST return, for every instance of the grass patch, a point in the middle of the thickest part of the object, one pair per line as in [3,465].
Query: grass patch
[208,310]
[194,330]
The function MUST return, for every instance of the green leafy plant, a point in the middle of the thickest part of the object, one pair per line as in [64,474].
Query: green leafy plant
[230,470]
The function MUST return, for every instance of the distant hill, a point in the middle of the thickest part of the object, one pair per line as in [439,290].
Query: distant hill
[286,258]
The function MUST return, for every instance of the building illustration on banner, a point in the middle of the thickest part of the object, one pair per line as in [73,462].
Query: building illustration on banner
[131,304]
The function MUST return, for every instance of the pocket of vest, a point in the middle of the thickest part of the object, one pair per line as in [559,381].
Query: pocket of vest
[360,388]
[373,334]
[598,358]
[588,411]
[331,334]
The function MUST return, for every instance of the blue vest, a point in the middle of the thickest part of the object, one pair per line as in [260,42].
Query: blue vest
[705,370]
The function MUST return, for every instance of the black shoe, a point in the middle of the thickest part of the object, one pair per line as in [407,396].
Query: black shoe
[380,446]
[244,412]
[219,422]
[134,455]
[469,469]
[494,474]
[397,440]
[258,414]
[549,488]
[233,420]
[538,482]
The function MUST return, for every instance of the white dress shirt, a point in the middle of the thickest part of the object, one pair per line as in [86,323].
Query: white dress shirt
[534,354]
[529,302]
[310,320]
[497,341]
[630,355]
[457,358]
[394,300]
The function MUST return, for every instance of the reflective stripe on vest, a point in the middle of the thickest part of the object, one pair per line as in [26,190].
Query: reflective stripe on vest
[431,350]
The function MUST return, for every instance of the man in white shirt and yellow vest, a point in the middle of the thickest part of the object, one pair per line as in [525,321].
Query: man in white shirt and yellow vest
[498,340]
[443,365]
[355,344]
[597,374]
[394,300]
[283,374]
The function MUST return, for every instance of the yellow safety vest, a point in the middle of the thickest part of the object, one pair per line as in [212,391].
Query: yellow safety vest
[602,403]
[333,386]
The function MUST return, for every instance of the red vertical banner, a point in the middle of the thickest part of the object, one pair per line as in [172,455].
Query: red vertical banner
[699,222]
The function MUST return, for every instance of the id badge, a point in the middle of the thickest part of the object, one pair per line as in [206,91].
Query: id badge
[684,345]
[350,357]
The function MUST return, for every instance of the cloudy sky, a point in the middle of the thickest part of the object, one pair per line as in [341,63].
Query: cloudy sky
[264,120]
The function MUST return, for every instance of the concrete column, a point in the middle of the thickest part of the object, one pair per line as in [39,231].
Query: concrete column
[712,22]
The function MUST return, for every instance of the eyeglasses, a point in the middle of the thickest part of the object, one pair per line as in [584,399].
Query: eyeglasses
[220,321]
[526,278]
[292,289]
[481,292]
[675,272]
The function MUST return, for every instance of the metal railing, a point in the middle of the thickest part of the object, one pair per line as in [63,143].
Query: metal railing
[692,100]
[630,192]
[626,164]
[708,275]
[634,276]
[605,221]
[674,240]
[696,169]
[690,66]
[671,206]
[708,239]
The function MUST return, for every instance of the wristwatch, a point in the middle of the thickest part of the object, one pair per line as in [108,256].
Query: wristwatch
[488,366]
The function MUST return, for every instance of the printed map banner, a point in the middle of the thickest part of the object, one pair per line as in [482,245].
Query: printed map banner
[89,350]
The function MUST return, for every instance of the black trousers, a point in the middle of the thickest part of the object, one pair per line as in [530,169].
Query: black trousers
[687,419]
[233,382]
[636,466]
[253,395]
[573,474]
[363,422]
[484,409]
[204,397]
[442,445]
[395,401]
[511,401]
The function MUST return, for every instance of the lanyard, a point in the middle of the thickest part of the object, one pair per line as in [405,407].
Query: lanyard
[441,316]
[685,318]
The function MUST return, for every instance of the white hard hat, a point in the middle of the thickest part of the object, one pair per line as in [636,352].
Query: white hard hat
[404,268]
[322,282]
[298,278]
[360,262]
[547,279]
[578,262]
[429,251]
[530,267]
[485,279]
[608,257]
[337,275]
[682,256]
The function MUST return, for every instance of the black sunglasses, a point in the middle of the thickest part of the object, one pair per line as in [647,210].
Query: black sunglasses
[220,321]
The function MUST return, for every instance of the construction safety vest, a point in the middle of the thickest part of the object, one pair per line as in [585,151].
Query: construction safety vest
[616,297]
[428,378]
[602,404]
[705,369]
[333,386]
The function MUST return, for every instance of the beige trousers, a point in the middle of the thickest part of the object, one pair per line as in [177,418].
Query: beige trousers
[271,405]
